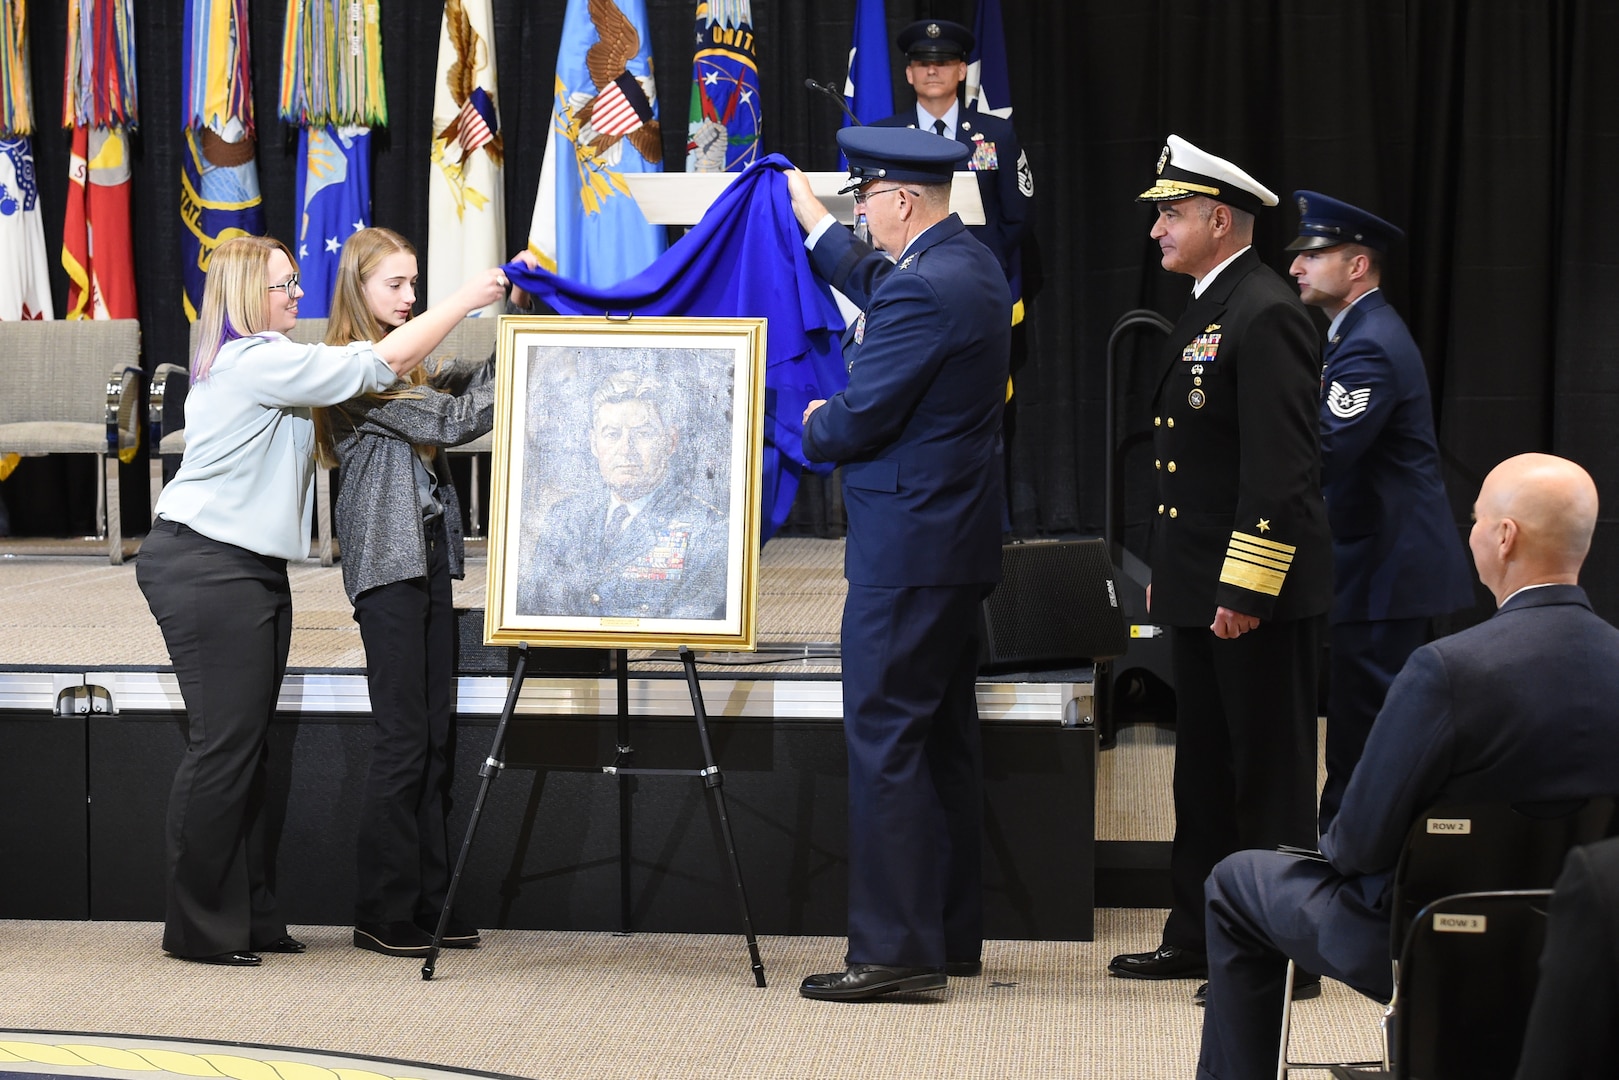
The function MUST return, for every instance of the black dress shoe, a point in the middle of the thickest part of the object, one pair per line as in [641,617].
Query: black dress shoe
[392,938]
[1305,987]
[458,933]
[286,943]
[963,969]
[861,982]
[227,959]
[1164,962]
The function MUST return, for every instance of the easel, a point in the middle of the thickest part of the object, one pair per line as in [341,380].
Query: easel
[622,767]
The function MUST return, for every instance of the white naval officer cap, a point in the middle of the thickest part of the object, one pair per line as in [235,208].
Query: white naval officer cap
[1184,171]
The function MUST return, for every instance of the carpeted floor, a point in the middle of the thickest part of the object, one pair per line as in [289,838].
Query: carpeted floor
[600,1006]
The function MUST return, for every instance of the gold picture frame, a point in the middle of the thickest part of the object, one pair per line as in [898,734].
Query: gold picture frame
[625,493]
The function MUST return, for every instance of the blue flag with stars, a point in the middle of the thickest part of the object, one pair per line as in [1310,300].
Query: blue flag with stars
[334,203]
[869,91]
[723,131]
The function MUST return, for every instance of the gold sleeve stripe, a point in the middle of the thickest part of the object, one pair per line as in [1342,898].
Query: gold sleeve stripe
[1259,555]
[1246,575]
[1260,541]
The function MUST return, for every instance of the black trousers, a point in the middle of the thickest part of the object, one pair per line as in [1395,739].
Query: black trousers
[226,617]
[1245,754]
[402,868]
[1365,658]
[910,721]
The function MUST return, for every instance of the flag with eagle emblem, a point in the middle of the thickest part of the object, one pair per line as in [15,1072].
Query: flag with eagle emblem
[604,123]
[466,207]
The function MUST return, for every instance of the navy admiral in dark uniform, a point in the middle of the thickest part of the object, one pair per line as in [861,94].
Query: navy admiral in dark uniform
[1397,560]
[918,435]
[1240,553]
[936,64]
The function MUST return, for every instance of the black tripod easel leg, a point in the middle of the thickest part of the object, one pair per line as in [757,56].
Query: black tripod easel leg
[714,781]
[490,769]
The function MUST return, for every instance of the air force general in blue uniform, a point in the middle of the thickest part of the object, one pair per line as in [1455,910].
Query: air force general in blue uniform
[918,435]
[1397,560]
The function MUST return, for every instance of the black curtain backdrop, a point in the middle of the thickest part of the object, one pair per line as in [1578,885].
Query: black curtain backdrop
[1484,127]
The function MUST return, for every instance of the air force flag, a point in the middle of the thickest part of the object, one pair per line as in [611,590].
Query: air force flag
[334,186]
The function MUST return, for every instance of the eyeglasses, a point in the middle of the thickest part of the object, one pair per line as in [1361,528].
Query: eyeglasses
[862,196]
[289,286]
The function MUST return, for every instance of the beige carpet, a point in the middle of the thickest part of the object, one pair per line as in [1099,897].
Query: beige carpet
[600,1006]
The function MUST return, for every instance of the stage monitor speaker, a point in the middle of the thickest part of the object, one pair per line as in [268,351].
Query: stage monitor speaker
[1056,607]
[473,657]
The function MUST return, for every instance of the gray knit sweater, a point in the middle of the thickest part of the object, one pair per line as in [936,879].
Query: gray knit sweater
[379,515]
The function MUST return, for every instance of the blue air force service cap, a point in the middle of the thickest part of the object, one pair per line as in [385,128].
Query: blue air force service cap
[935,39]
[1327,222]
[1185,172]
[903,155]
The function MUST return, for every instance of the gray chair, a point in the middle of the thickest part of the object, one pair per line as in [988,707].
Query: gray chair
[74,387]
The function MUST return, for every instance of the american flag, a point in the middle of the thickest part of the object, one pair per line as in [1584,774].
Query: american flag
[477,120]
[621,107]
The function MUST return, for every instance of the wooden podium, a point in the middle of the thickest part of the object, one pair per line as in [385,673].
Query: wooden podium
[683,198]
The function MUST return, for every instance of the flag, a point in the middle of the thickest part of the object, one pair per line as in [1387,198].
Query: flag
[586,226]
[332,88]
[219,182]
[99,105]
[745,258]
[989,89]
[723,132]
[466,200]
[25,287]
[334,202]
[869,90]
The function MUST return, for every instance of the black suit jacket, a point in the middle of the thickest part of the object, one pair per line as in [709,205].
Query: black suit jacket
[1239,520]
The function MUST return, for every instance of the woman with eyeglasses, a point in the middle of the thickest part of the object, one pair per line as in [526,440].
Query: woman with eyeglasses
[214,573]
[399,528]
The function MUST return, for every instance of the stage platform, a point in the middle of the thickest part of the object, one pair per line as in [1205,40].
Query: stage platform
[90,731]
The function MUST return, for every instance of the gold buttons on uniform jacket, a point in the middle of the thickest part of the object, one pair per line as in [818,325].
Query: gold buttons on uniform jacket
[1197,380]
[1160,508]
[1173,512]
[1157,464]
[1157,420]
[1171,466]
[1171,421]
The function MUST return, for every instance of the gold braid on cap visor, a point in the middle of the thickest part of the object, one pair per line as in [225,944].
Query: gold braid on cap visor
[1164,190]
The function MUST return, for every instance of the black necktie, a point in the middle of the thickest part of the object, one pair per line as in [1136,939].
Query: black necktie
[938,127]
[615,525]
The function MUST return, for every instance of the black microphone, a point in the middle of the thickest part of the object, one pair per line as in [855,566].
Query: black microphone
[835,96]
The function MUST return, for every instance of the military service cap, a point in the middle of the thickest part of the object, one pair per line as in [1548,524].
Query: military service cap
[1327,222]
[899,154]
[1184,172]
[935,39]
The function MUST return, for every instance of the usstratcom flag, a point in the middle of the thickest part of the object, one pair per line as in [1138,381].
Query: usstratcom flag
[604,123]
[219,181]
[99,104]
[332,88]
[869,89]
[25,287]
[466,209]
[726,117]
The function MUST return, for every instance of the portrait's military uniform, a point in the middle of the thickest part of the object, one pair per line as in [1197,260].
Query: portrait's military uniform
[1239,523]
[1397,557]
[995,157]
[918,436]
[667,561]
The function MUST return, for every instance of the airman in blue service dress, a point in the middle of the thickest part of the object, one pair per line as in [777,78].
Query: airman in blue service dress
[1397,558]
[918,435]
[1239,528]
[995,157]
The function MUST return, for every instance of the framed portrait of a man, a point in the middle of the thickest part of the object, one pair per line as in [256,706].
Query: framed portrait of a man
[625,493]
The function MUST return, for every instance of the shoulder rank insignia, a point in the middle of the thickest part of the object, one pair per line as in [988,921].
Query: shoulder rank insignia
[1347,404]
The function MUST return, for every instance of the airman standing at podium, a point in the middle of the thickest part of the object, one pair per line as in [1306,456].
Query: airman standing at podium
[936,65]
[1240,553]
[918,435]
[1396,557]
